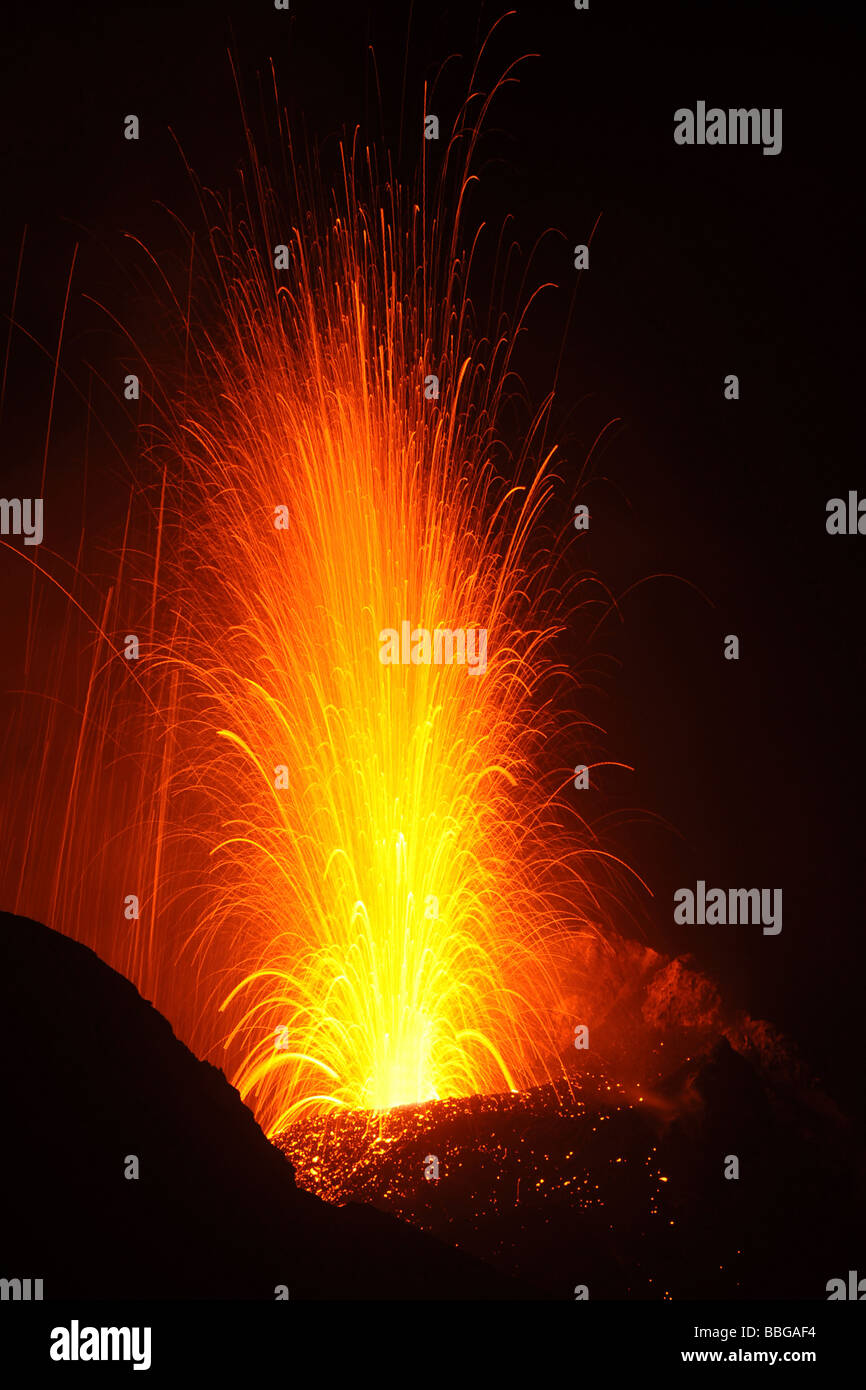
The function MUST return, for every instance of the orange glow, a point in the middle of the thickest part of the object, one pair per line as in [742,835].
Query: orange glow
[389,927]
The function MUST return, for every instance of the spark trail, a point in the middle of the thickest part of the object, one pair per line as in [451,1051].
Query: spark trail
[356,888]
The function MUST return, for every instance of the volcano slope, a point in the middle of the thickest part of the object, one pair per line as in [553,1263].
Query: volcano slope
[713,1166]
[92,1076]
[598,1187]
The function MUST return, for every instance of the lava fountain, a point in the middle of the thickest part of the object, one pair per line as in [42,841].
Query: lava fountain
[355,883]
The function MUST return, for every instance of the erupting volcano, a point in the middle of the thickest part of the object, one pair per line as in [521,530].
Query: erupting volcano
[308,729]
[354,883]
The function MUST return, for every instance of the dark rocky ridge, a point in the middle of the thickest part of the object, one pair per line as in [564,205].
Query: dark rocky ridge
[622,1188]
[619,1187]
[92,1073]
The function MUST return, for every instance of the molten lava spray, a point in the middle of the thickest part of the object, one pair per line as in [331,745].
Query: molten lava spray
[352,877]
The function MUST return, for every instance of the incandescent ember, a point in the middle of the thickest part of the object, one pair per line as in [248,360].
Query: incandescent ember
[618,1189]
[513,1169]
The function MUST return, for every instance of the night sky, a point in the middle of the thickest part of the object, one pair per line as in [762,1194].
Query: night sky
[706,261]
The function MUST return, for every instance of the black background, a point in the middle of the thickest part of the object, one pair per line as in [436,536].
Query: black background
[705,262]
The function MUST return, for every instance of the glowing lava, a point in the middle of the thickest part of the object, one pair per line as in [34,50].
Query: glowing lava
[353,878]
